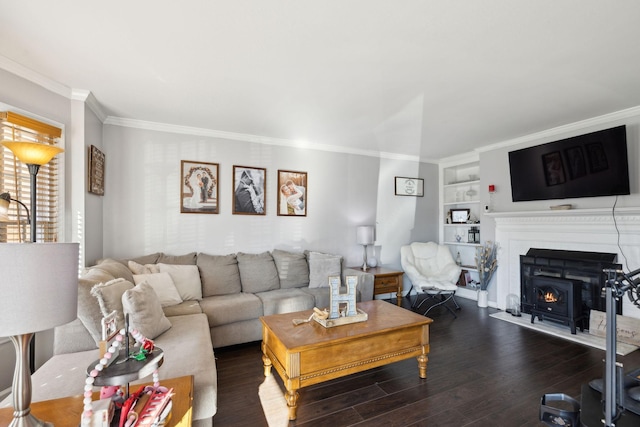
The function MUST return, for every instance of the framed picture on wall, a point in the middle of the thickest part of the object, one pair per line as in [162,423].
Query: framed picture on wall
[199,187]
[96,171]
[249,190]
[292,193]
[409,186]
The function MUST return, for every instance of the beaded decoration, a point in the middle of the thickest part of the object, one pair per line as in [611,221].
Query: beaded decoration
[113,350]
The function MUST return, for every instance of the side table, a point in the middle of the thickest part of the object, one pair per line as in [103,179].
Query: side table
[66,411]
[386,281]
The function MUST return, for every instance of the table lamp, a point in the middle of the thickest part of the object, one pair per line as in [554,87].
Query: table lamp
[364,237]
[39,289]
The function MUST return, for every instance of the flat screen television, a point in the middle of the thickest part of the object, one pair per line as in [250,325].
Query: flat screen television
[590,165]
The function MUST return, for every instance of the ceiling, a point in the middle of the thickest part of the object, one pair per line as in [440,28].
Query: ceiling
[425,78]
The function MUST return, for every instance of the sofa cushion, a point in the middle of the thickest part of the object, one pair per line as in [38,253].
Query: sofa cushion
[223,309]
[146,259]
[219,274]
[115,269]
[109,297]
[185,259]
[321,266]
[142,305]
[285,301]
[186,278]
[258,272]
[182,309]
[163,285]
[293,268]
[143,269]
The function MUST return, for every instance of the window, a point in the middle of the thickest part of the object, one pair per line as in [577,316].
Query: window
[15,179]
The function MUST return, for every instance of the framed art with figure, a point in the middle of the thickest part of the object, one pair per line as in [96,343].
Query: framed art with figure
[292,193]
[96,171]
[199,187]
[249,185]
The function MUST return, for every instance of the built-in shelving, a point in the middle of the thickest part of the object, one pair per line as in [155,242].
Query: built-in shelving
[460,190]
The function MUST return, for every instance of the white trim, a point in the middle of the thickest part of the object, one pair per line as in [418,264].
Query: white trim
[34,77]
[604,120]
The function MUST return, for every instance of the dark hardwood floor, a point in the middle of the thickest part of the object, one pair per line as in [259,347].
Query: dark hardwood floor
[481,372]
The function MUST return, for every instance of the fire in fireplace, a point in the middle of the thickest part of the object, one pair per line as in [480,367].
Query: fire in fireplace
[559,300]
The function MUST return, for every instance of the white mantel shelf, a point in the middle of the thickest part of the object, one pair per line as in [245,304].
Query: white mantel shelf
[564,212]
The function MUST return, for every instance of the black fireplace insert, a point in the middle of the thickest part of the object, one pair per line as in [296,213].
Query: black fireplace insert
[585,268]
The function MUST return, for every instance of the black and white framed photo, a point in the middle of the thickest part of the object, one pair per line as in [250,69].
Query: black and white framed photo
[409,186]
[249,187]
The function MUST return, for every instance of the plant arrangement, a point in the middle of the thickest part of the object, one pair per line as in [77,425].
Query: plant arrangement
[486,262]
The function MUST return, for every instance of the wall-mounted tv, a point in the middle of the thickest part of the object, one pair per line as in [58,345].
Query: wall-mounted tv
[588,165]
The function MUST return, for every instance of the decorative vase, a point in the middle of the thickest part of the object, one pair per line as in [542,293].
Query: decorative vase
[483,298]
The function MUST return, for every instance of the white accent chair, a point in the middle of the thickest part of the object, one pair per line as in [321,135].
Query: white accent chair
[432,271]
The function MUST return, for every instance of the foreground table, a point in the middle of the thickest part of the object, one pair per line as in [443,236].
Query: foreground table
[310,353]
[66,411]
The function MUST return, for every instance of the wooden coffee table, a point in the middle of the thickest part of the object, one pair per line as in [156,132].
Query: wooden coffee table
[310,353]
[66,411]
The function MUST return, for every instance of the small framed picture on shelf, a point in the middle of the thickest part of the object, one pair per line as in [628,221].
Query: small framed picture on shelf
[459,216]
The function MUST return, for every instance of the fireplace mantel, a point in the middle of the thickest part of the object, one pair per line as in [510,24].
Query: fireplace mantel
[594,230]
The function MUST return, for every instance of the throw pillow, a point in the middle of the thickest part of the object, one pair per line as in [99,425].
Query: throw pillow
[220,274]
[109,297]
[293,269]
[145,312]
[258,272]
[186,278]
[143,269]
[163,285]
[321,266]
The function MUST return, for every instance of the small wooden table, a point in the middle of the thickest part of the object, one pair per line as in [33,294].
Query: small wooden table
[386,281]
[66,411]
[310,353]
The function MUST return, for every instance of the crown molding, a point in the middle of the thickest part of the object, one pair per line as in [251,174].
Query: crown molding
[606,119]
[34,77]
[196,131]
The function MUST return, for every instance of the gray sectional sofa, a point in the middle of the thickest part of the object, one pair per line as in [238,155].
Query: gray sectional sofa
[198,302]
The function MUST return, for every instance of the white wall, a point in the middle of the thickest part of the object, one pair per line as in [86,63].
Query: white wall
[142,196]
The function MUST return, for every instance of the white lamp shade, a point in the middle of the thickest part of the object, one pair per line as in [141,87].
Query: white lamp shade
[364,235]
[38,286]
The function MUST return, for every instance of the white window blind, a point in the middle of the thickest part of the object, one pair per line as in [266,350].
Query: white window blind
[15,179]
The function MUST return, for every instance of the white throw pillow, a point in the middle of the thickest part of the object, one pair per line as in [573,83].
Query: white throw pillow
[137,268]
[321,267]
[163,285]
[186,278]
[145,312]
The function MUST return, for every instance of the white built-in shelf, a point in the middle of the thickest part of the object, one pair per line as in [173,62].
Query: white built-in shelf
[461,183]
[462,202]
[461,243]
[463,224]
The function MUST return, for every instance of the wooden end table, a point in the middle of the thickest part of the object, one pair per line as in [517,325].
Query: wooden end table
[67,411]
[386,281]
[309,353]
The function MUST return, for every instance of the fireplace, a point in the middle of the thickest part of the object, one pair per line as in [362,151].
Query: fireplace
[577,273]
[559,300]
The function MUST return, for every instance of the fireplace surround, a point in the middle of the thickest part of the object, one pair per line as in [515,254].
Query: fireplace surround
[589,230]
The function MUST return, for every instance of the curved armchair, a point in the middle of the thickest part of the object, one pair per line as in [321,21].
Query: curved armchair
[433,272]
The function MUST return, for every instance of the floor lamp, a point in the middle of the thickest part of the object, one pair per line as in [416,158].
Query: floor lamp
[40,291]
[34,155]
